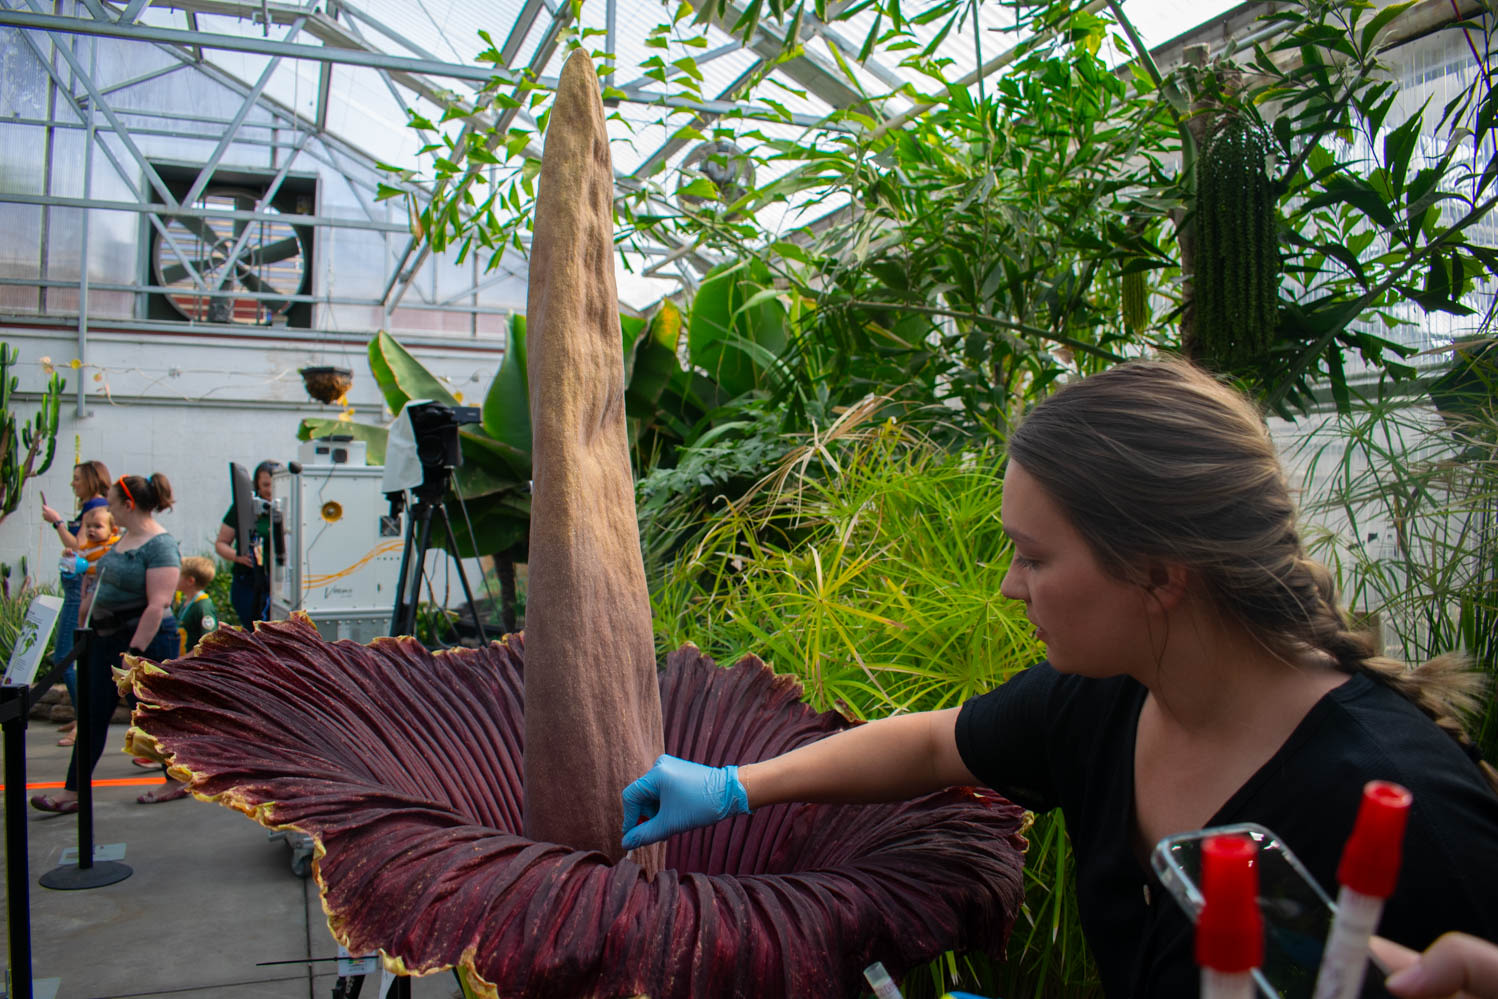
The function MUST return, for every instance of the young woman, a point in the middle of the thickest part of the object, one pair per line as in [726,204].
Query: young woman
[1198,674]
[249,586]
[132,613]
[90,483]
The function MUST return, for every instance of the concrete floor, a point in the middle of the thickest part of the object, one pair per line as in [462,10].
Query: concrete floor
[211,907]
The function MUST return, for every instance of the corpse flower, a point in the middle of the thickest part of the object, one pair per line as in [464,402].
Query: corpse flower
[405,768]
[465,806]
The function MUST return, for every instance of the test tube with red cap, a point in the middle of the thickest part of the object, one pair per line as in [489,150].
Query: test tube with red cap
[1230,930]
[1369,868]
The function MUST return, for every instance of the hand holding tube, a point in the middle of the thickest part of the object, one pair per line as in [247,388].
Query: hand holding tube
[678,795]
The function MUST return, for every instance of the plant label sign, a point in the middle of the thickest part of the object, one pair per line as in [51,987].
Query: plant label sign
[356,964]
[31,640]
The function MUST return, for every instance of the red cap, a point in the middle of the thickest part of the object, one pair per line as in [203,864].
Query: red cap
[1230,931]
[1370,860]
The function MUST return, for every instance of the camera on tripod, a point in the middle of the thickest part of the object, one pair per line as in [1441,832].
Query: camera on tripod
[435,428]
[421,452]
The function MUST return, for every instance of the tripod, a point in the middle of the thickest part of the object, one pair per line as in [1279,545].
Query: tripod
[427,504]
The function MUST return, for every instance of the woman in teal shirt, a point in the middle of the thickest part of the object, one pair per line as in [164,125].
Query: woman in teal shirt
[131,613]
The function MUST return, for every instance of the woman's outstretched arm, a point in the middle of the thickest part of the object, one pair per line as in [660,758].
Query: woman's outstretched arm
[886,760]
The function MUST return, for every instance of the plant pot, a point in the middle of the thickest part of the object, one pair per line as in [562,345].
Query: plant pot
[327,384]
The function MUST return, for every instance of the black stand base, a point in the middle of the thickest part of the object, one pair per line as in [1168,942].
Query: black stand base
[71,877]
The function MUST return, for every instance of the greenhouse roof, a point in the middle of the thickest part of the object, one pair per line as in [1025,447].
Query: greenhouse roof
[363,71]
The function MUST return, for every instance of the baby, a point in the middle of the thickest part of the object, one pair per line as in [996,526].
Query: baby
[98,535]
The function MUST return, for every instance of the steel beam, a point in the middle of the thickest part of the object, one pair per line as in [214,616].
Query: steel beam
[80,409]
[162,132]
[522,26]
[502,274]
[237,43]
[156,289]
[190,212]
[143,78]
[88,82]
[354,13]
[375,60]
[134,10]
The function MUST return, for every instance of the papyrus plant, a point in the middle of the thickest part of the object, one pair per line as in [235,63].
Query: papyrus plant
[465,806]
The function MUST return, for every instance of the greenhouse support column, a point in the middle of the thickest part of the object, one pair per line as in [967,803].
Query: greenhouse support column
[88,191]
[610,38]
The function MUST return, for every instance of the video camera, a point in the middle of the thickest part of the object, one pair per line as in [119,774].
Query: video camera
[436,429]
[422,450]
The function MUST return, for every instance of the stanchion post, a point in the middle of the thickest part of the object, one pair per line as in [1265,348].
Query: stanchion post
[86,874]
[15,704]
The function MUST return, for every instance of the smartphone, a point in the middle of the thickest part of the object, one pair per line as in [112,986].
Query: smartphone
[1297,913]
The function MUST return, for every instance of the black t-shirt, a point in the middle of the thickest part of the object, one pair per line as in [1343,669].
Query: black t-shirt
[1045,741]
[259,541]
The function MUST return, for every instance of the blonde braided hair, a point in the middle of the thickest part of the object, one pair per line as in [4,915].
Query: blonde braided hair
[1446,688]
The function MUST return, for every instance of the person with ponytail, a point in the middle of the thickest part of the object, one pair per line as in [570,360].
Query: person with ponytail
[131,613]
[1199,672]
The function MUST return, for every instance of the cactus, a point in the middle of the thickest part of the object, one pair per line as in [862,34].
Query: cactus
[1236,281]
[26,447]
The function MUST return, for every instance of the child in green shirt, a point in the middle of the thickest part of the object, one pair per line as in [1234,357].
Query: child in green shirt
[196,615]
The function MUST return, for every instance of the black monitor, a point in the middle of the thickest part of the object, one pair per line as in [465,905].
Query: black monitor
[243,491]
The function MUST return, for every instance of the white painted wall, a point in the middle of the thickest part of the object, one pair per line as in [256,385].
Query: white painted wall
[187,403]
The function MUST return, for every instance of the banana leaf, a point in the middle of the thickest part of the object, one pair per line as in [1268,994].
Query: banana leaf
[402,377]
[507,405]
[406,769]
[738,327]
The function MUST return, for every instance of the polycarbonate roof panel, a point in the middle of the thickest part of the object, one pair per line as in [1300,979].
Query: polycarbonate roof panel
[1158,21]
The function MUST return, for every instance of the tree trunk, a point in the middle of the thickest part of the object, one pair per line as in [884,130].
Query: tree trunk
[592,700]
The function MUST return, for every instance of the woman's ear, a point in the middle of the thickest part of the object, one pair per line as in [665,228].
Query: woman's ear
[1167,583]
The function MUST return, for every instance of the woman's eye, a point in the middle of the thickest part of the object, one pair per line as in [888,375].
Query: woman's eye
[1022,562]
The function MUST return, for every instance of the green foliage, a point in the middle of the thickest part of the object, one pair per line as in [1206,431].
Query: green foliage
[869,568]
[1236,281]
[1431,479]
[24,442]
[1369,220]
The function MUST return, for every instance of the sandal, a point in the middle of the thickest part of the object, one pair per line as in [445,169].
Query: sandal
[47,803]
[157,797]
[146,763]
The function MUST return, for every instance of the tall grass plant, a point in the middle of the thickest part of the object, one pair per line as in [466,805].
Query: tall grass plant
[871,572]
[1406,497]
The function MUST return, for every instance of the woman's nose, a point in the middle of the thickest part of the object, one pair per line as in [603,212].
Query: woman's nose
[1010,587]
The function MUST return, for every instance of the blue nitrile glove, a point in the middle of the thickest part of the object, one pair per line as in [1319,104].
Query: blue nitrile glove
[677,795]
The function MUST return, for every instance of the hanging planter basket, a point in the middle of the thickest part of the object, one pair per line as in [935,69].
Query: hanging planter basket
[327,384]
